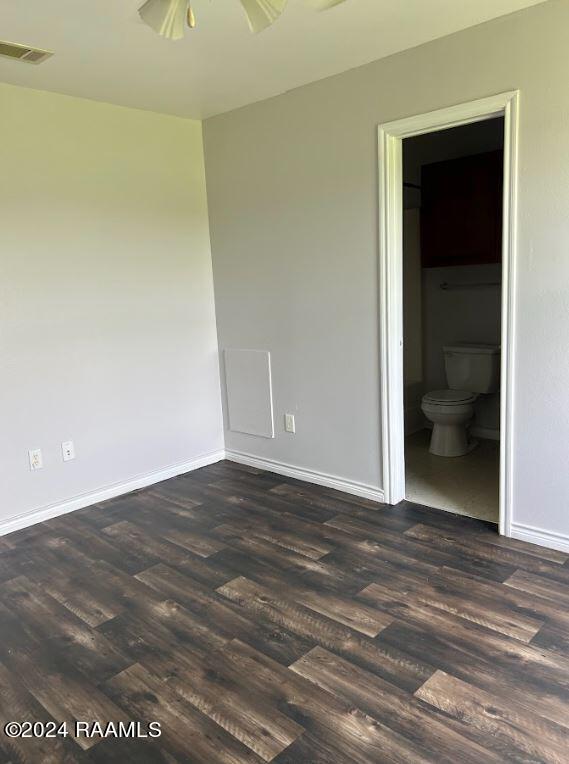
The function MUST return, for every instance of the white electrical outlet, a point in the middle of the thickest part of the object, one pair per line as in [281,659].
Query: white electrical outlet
[68,451]
[289,423]
[36,460]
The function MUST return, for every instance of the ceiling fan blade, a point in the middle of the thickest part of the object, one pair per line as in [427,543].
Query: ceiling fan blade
[262,13]
[166,17]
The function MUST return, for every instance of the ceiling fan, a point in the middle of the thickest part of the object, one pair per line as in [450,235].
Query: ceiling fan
[170,17]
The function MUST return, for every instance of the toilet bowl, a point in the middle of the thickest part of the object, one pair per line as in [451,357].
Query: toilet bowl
[471,369]
[449,411]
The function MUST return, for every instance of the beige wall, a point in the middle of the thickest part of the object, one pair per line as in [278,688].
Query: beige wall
[292,185]
[107,327]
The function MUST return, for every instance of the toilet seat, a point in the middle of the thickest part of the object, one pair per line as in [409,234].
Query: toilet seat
[449,397]
[450,411]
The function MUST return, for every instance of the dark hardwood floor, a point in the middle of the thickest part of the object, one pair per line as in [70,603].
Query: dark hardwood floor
[257,619]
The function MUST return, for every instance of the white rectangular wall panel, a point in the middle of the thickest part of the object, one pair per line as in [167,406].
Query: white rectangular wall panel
[249,392]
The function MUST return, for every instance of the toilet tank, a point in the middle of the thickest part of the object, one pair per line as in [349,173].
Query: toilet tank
[473,366]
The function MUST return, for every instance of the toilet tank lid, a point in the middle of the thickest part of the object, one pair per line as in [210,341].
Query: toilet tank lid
[472,347]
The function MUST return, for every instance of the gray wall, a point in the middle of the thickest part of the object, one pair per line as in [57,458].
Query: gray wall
[107,325]
[292,186]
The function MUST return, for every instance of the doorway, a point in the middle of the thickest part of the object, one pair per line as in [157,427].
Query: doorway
[391,136]
[452,275]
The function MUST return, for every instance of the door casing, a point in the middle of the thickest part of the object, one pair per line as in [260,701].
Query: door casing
[390,151]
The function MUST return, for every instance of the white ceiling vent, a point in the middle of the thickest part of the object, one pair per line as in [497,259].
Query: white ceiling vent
[23,52]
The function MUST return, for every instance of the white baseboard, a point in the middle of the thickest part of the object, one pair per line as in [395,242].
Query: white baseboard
[528,533]
[109,492]
[309,476]
[539,536]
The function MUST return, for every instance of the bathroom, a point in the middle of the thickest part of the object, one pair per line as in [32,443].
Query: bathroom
[452,275]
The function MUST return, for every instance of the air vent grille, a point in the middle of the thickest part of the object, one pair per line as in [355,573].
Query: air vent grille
[23,52]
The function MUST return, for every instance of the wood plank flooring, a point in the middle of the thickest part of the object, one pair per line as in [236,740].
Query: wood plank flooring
[260,619]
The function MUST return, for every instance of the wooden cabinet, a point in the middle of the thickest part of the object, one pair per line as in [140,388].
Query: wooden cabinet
[461,211]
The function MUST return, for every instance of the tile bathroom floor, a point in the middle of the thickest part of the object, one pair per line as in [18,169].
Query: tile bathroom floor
[466,485]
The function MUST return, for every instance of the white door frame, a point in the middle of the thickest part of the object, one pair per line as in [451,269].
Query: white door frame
[390,136]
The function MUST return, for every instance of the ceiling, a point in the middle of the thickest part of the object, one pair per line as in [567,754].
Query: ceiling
[104,52]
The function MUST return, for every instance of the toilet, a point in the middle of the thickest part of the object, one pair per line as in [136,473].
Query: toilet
[472,369]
